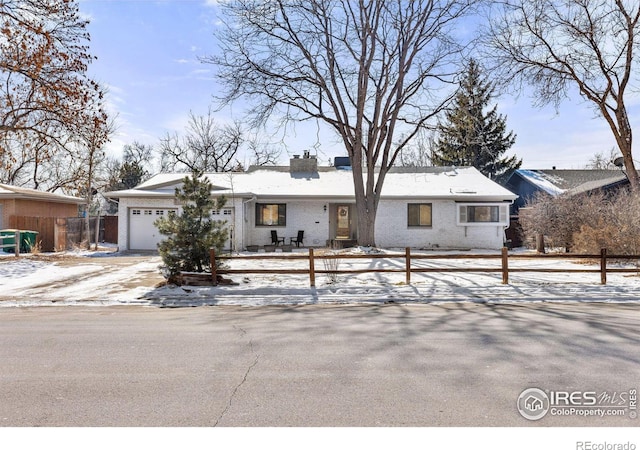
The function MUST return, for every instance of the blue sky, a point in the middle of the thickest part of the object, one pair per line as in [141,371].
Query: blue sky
[148,53]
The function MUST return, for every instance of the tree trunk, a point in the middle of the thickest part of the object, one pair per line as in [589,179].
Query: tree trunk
[366,201]
[366,225]
[97,234]
[624,138]
[630,170]
[540,243]
[87,226]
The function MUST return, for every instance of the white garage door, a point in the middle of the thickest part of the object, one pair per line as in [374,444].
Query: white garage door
[143,234]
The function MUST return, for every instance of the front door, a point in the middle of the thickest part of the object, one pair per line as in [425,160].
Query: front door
[343,230]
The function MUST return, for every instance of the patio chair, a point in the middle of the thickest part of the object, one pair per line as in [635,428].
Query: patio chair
[298,239]
[275,239]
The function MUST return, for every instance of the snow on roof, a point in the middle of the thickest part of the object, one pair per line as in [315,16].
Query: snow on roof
[162,179]
[466,182]
[546,182]
[8,191]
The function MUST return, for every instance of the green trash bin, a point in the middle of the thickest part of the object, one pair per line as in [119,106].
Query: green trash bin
[28,240]
[8,240]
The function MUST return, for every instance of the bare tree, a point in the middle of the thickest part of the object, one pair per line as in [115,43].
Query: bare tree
[600,161]
[206,147]
[559,218]
[588,45]
[370,70]
[585,223]
[417,153]
[616,227]
[262,153]
[132,169]
[44,87]
[19,159]
[91,158]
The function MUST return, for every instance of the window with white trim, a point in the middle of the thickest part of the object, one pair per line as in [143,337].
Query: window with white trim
[483,214]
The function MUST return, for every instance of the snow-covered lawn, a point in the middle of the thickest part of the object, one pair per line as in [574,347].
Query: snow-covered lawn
[112,279]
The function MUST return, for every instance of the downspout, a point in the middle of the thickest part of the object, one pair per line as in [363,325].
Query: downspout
[244,218]
[504,228]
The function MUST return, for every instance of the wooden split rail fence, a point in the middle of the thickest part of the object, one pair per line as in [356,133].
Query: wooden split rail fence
[408,269]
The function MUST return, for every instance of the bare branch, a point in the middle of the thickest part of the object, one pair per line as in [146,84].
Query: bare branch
[588,45]
[370,70]
[206,147]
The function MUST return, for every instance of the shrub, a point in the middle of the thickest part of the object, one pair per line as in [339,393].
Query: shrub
[585,223]
[617,228]
[559,218]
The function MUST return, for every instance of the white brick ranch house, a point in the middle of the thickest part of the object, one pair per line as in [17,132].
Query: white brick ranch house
[433,207]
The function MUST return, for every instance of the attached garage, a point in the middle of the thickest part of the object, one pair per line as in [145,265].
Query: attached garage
[143,234]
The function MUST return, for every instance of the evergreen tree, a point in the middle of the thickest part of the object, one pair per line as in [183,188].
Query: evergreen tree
[190,235]
[469,137]
[132,170]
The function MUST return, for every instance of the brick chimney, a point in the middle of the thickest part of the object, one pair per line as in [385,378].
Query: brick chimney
[307,164]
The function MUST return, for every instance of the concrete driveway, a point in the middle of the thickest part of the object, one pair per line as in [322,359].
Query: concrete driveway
[45,280]
[376,365]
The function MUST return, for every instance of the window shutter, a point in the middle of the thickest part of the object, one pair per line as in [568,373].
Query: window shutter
[462,213]
[504,214]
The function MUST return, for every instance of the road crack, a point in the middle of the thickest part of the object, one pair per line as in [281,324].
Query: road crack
[244,378]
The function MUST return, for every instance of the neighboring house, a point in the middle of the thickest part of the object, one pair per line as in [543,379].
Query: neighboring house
[18,201]
[435,207]
[526,183]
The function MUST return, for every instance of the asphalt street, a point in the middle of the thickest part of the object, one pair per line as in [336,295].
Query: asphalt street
[454,364]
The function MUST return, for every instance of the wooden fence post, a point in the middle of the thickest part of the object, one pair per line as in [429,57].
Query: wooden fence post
[16,240]
[312,269]
[505,265]
[212,262]
[603,265]
[407,258]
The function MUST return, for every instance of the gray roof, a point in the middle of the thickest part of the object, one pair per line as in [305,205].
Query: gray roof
[572,181]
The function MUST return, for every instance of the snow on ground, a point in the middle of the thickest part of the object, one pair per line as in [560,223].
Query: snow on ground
[135,280]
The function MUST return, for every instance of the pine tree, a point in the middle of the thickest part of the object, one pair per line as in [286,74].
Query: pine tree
[190,235]
[469,137]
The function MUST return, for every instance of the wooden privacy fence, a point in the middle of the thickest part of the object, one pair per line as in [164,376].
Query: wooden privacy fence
[62,233]
[407,268]
[45,226]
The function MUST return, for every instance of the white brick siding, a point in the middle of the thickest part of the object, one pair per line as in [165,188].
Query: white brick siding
[309,216]
[392,229]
